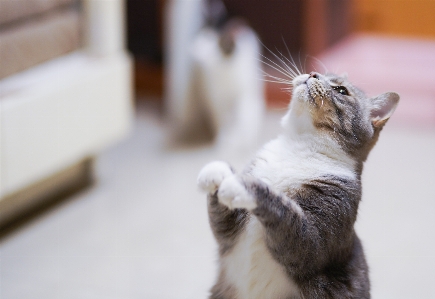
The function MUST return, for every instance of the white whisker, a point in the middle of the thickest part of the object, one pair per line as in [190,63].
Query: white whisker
[279,70]
[292,62]
[288,68]
[283,80]
[325,69]
[283,62]
[280,66]
[274,81]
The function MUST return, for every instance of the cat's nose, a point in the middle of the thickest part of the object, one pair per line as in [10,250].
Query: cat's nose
[314,75]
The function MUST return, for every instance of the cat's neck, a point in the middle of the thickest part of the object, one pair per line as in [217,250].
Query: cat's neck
[301,135]
[313,146]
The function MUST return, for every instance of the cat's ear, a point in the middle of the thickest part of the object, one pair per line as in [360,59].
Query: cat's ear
[383,107]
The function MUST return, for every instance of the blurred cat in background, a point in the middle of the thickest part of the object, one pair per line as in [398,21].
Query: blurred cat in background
[227,79]
[227,74]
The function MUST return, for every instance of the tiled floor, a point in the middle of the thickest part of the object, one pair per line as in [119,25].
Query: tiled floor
[142,231]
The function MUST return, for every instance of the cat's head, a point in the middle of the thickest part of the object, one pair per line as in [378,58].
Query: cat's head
[330,106]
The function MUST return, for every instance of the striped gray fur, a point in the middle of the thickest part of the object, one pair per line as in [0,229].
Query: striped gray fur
[324,255]
[226,224]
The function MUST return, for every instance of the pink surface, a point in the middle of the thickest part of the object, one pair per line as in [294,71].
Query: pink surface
[378,64]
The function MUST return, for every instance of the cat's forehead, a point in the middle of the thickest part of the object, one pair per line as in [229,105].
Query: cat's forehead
[336,79]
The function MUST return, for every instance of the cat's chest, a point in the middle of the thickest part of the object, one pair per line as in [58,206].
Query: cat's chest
[253,271]
[289,172]
[286,167]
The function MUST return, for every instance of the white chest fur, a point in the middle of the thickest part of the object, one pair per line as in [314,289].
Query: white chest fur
[252,270]
[284,163]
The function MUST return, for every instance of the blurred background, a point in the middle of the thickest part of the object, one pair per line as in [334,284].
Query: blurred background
[109,109]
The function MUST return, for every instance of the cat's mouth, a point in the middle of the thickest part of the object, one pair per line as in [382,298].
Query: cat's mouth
[316,90]
[309,88]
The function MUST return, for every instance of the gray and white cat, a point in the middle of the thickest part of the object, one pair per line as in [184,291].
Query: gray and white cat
[227,68]
[285,225]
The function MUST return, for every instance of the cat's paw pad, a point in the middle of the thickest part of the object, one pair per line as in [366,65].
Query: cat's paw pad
[233,194]
[211,176]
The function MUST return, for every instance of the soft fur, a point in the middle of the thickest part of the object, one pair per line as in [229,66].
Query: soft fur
[227,70]
[285,225]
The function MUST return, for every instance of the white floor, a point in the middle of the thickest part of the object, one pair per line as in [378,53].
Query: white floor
[142,231]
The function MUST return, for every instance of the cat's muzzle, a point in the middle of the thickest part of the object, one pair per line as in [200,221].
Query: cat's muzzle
[316,89]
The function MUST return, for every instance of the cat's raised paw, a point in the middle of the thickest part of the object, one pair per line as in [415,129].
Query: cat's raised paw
[233,194]
[211,176]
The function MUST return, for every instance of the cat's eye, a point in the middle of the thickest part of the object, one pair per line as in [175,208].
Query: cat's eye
[341,89]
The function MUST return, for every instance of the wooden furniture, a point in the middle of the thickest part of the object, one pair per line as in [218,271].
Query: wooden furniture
[57,115]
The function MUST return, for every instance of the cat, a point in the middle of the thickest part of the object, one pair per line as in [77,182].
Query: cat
[227,68]
[285,225]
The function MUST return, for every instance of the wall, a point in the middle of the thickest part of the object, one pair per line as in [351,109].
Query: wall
[397,17]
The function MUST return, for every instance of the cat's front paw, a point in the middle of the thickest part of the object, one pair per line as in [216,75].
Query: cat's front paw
[233,194]
[211,176]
